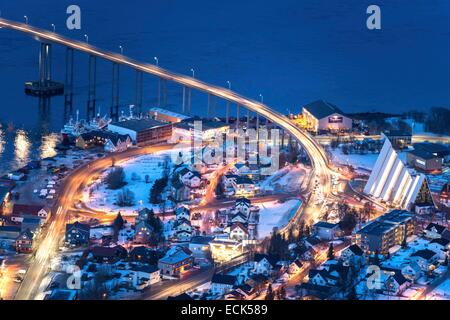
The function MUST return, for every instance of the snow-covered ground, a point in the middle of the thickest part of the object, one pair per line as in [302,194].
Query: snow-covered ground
[359,161]
[274,214]
[288,179]
[135,170]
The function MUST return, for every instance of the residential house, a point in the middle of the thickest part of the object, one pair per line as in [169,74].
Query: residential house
[242,205]
[263,264]
[239,232]
[176,261]
[295,266]
[425,258]
[24,243]
[180,191]
[77,233]
[325,230]
[143,233]
[144,275]
[190,178]
[108,254]
[440,245]
[434,231]
[199,246]
[222,284]
[353,256]
[183,230]
[182,213]
[241,292]
[244,187]
[21,210]
[444,195]
[143,215]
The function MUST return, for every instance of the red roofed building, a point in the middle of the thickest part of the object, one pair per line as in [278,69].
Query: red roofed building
[22,210]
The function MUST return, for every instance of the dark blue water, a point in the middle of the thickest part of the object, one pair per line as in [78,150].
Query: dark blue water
[291,51]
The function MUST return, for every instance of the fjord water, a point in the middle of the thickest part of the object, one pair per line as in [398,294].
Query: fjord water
[291,51]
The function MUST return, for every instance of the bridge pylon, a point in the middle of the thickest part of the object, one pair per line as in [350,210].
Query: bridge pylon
[92,87]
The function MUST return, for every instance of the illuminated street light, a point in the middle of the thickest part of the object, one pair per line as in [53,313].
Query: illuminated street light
[262,98]
[87,38]
[26,19]
[229,85]
[157,61]
[121,50]
[193,73]
[54,27]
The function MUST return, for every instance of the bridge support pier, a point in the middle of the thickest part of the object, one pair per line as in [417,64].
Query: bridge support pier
[189,100]
[138,91]
[45,63]
[238,107]
[248,119]
[257,127]
[209,106]
[68,92]
[183,106]
[227,113]
[92,82]
[114,110]
[165,93]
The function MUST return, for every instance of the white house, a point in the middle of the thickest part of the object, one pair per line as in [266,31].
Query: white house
[325,230]
[263,264]
[222,284]
[190,178]
[239,232]
[144,276]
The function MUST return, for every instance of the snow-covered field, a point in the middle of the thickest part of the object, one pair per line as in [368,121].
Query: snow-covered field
[274,214]
[288,179]
[361,161]
[135,171]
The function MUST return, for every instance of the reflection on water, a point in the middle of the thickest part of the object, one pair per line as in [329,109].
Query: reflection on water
[21,147]
[2,140]
[48,145]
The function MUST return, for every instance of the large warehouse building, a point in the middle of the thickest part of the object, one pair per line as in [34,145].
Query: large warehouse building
[322,116]
[143,131]
[392,182]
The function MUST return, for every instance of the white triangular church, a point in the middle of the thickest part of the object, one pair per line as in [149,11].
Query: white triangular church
[392,182]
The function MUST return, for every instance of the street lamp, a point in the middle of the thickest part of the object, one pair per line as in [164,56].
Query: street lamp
[157,61]
[26,19]
[121,50]
[87,38]
[229,85]
[193,73]
[54,27]
[262,98]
